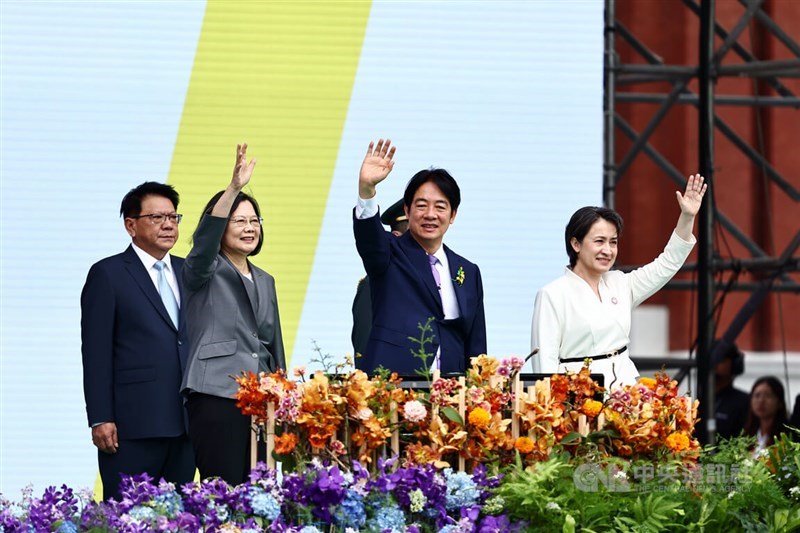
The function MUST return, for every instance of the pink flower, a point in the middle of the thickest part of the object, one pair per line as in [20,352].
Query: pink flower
[414,411]
[516,362]
[299,372]
[504,370]
[338,447]
[475,394]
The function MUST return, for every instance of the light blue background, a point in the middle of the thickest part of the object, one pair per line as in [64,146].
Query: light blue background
[505,95]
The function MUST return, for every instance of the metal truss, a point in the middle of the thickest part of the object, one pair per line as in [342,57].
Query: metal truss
[772,272]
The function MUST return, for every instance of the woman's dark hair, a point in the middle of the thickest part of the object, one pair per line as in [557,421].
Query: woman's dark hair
[241,197]
[132,202]
[441,178]
[582,221]
[753,423]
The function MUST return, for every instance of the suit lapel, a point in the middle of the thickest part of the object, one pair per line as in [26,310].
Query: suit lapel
[454,263]
[419,260]
[250,294]
[137,271]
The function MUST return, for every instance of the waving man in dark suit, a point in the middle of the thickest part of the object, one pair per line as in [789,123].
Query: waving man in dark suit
[134,347]
[415,277]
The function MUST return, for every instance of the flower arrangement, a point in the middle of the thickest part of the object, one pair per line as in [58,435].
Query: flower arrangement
[321,497]
[486,417]
[647,420]
[728,489]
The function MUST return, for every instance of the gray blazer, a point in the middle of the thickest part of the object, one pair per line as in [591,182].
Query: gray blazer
[231,326]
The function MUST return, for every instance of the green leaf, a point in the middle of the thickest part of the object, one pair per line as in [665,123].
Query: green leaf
[453,415]
[571,438]
[569,524]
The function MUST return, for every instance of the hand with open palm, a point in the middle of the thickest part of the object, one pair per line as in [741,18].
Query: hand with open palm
[378,163]
[692,198]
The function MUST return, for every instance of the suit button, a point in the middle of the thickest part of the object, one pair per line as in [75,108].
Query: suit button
[254,334]
[255,355]
[180,343]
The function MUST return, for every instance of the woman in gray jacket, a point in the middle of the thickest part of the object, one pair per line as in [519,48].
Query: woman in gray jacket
[233,325]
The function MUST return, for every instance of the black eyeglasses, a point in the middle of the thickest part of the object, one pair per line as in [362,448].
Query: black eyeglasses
[157,219]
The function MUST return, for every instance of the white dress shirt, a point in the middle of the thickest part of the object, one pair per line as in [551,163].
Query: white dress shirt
[569,321]
[149,264]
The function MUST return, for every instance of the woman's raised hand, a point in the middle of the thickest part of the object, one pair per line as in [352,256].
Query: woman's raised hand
[242,170]
[692,198]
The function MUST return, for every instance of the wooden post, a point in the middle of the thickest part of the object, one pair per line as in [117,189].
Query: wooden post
[395,431]
[583,427]
[270,434]
[516,388]
[601,421]
[253,442]
[462,410]
[532,397]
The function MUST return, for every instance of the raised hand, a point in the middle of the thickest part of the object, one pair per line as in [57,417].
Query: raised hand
[376,166]
[692,198]
[242,170]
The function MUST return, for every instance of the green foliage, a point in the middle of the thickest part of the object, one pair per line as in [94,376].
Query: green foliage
[425,337]
[651,513]
[727,490]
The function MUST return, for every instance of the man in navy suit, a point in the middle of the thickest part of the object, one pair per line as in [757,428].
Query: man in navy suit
[415,277]
[134,347]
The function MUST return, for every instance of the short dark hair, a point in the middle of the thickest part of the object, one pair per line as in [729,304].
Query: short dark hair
[441,178]
[582,221]
[241,197]
[132,202]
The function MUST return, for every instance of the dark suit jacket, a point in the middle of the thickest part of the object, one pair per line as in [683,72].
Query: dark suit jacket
[133,356]
[794,421]
[230,329]
[404,294]
[731,412]
[362,316]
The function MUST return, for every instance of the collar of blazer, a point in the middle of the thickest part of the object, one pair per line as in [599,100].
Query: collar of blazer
[258,284]
[139,274]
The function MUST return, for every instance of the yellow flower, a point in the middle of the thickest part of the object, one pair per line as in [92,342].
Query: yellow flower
[592,408]
[650,383]
[479,417]
[677,442]
[524,445]
[460,276]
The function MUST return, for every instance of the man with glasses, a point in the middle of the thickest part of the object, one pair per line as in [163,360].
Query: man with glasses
[134,347]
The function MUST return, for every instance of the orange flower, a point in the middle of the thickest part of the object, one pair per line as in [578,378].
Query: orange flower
[678,442]
[479,417]
[285,443]
[650,383]
[251,400]
[524,445]
[592,408]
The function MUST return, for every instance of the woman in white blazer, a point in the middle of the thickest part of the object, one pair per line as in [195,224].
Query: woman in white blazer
[586,313]
[233,325]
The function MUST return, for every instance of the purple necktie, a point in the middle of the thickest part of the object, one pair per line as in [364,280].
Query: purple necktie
[432,260]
